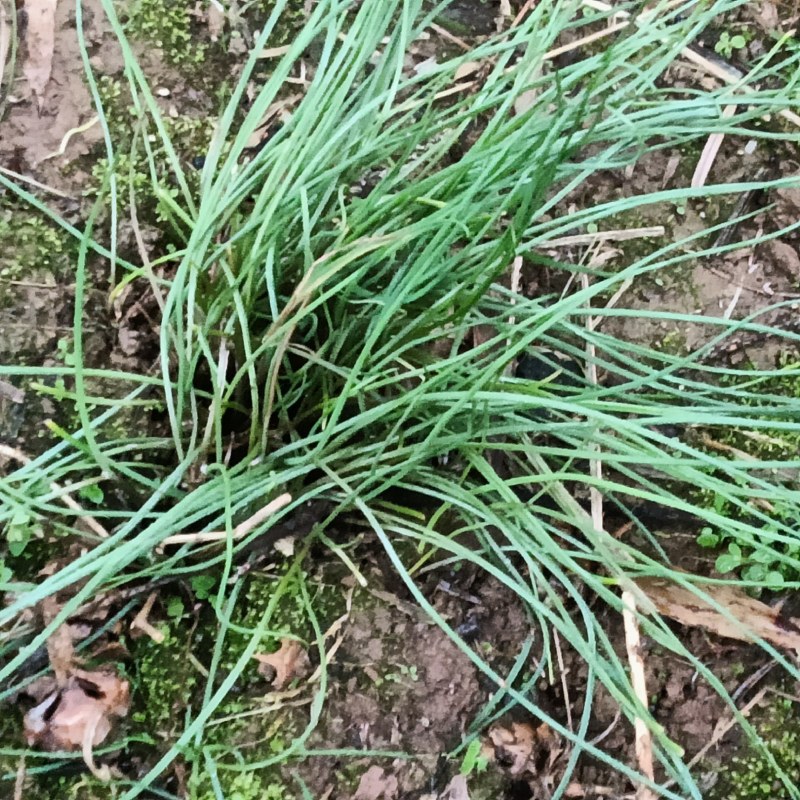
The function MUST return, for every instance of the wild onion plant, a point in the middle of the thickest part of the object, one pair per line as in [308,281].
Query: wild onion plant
[318,336]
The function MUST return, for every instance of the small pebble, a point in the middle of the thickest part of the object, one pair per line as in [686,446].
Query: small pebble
[162,91]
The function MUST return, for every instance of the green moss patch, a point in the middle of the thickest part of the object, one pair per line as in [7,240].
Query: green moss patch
[752,775]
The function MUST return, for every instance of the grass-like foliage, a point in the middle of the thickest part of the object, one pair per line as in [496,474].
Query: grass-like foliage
[317,322]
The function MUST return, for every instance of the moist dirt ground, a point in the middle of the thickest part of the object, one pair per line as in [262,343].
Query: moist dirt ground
[400,695]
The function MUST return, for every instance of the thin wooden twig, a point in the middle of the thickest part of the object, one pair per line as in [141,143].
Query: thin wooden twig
[515,285]
[33,182]
[642,735]
[584,40]
[709,154]
[612,301]
[19,781]
[275,52]
[728,313]
[564,684]
[142,622]
[726,448]
[591,790]
[242,529]
[622,235]
[63,495]
[65,140]
[445,34]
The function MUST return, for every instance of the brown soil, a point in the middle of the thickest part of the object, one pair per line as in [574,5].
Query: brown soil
[400,685]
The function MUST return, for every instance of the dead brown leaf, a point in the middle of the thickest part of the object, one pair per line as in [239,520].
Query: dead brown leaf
[466,69]
[40,41]
[278,112]
[513,746]
[376,784]
[275,52]
[525,101]
[525,749]
[79,714]
[768,16]
[751,617]
[291,661]
[60,647]
[215,18]
[456,790]
[504,15]
[40,688]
